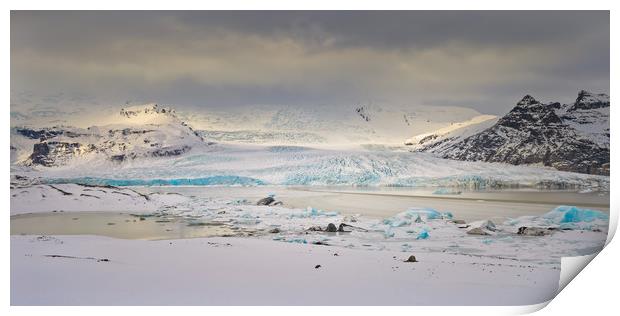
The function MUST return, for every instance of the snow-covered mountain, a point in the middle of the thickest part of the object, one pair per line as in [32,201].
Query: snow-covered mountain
[570,137]
[134,132]
[324,125]
[150,145]
[269,124]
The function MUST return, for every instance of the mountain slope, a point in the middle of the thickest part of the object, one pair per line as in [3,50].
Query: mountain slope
[572,137]
[452,133]
[135,132]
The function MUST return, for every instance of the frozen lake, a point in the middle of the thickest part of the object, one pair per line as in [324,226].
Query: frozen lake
[383,202]
[497,205]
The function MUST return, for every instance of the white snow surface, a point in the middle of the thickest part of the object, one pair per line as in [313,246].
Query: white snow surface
[453,133]
[280,267]
[236,271]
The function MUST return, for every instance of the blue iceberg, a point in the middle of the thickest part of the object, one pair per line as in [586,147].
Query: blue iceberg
[213,180]
[446,191]
[396,222]
[423,234]
[572,214]
[424,212]
[312,212]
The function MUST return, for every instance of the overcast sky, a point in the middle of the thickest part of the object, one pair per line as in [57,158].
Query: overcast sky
[484,60]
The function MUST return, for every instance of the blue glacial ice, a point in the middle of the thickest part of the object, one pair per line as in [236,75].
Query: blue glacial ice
[423,234]
[415,215]
[446,191]
[424,213]
[396,222]
[312,212]
[213,180]
[565,217]
[572,214]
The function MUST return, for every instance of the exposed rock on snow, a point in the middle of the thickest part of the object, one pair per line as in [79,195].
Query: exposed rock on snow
[571,137]
[478,231]
[534,231]
[265,201]
[485,227]
[331,228]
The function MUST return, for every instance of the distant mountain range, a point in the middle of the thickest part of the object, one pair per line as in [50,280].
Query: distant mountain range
[568,137]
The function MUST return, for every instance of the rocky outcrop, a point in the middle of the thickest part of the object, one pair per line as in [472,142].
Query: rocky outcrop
[53,153]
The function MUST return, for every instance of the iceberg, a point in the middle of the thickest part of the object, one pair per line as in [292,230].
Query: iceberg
[312,212]
[565,218]
[425,213]
[388,233]
[396,222]
[572,214]
[423,234]
[446,191]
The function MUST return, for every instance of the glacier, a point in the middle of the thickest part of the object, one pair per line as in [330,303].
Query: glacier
[214,180]
[297,165]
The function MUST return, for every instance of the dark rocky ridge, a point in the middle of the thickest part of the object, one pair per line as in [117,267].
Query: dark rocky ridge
[541,133]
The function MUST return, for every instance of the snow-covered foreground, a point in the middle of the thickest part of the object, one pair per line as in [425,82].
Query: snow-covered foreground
[241,271]
[505,263]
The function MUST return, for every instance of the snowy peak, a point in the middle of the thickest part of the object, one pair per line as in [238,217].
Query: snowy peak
[528,111]
[148,109]
[527,100]
[587,101]
[146,114]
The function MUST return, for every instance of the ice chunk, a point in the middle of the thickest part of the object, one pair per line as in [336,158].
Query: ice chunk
[422,212]
[396,222]
[484,224]
[572,214]
[297,240]
[423,234]
[312,212]
[446,191]
[416,215]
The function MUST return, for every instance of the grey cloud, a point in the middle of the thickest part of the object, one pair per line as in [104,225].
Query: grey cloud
[481,59]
